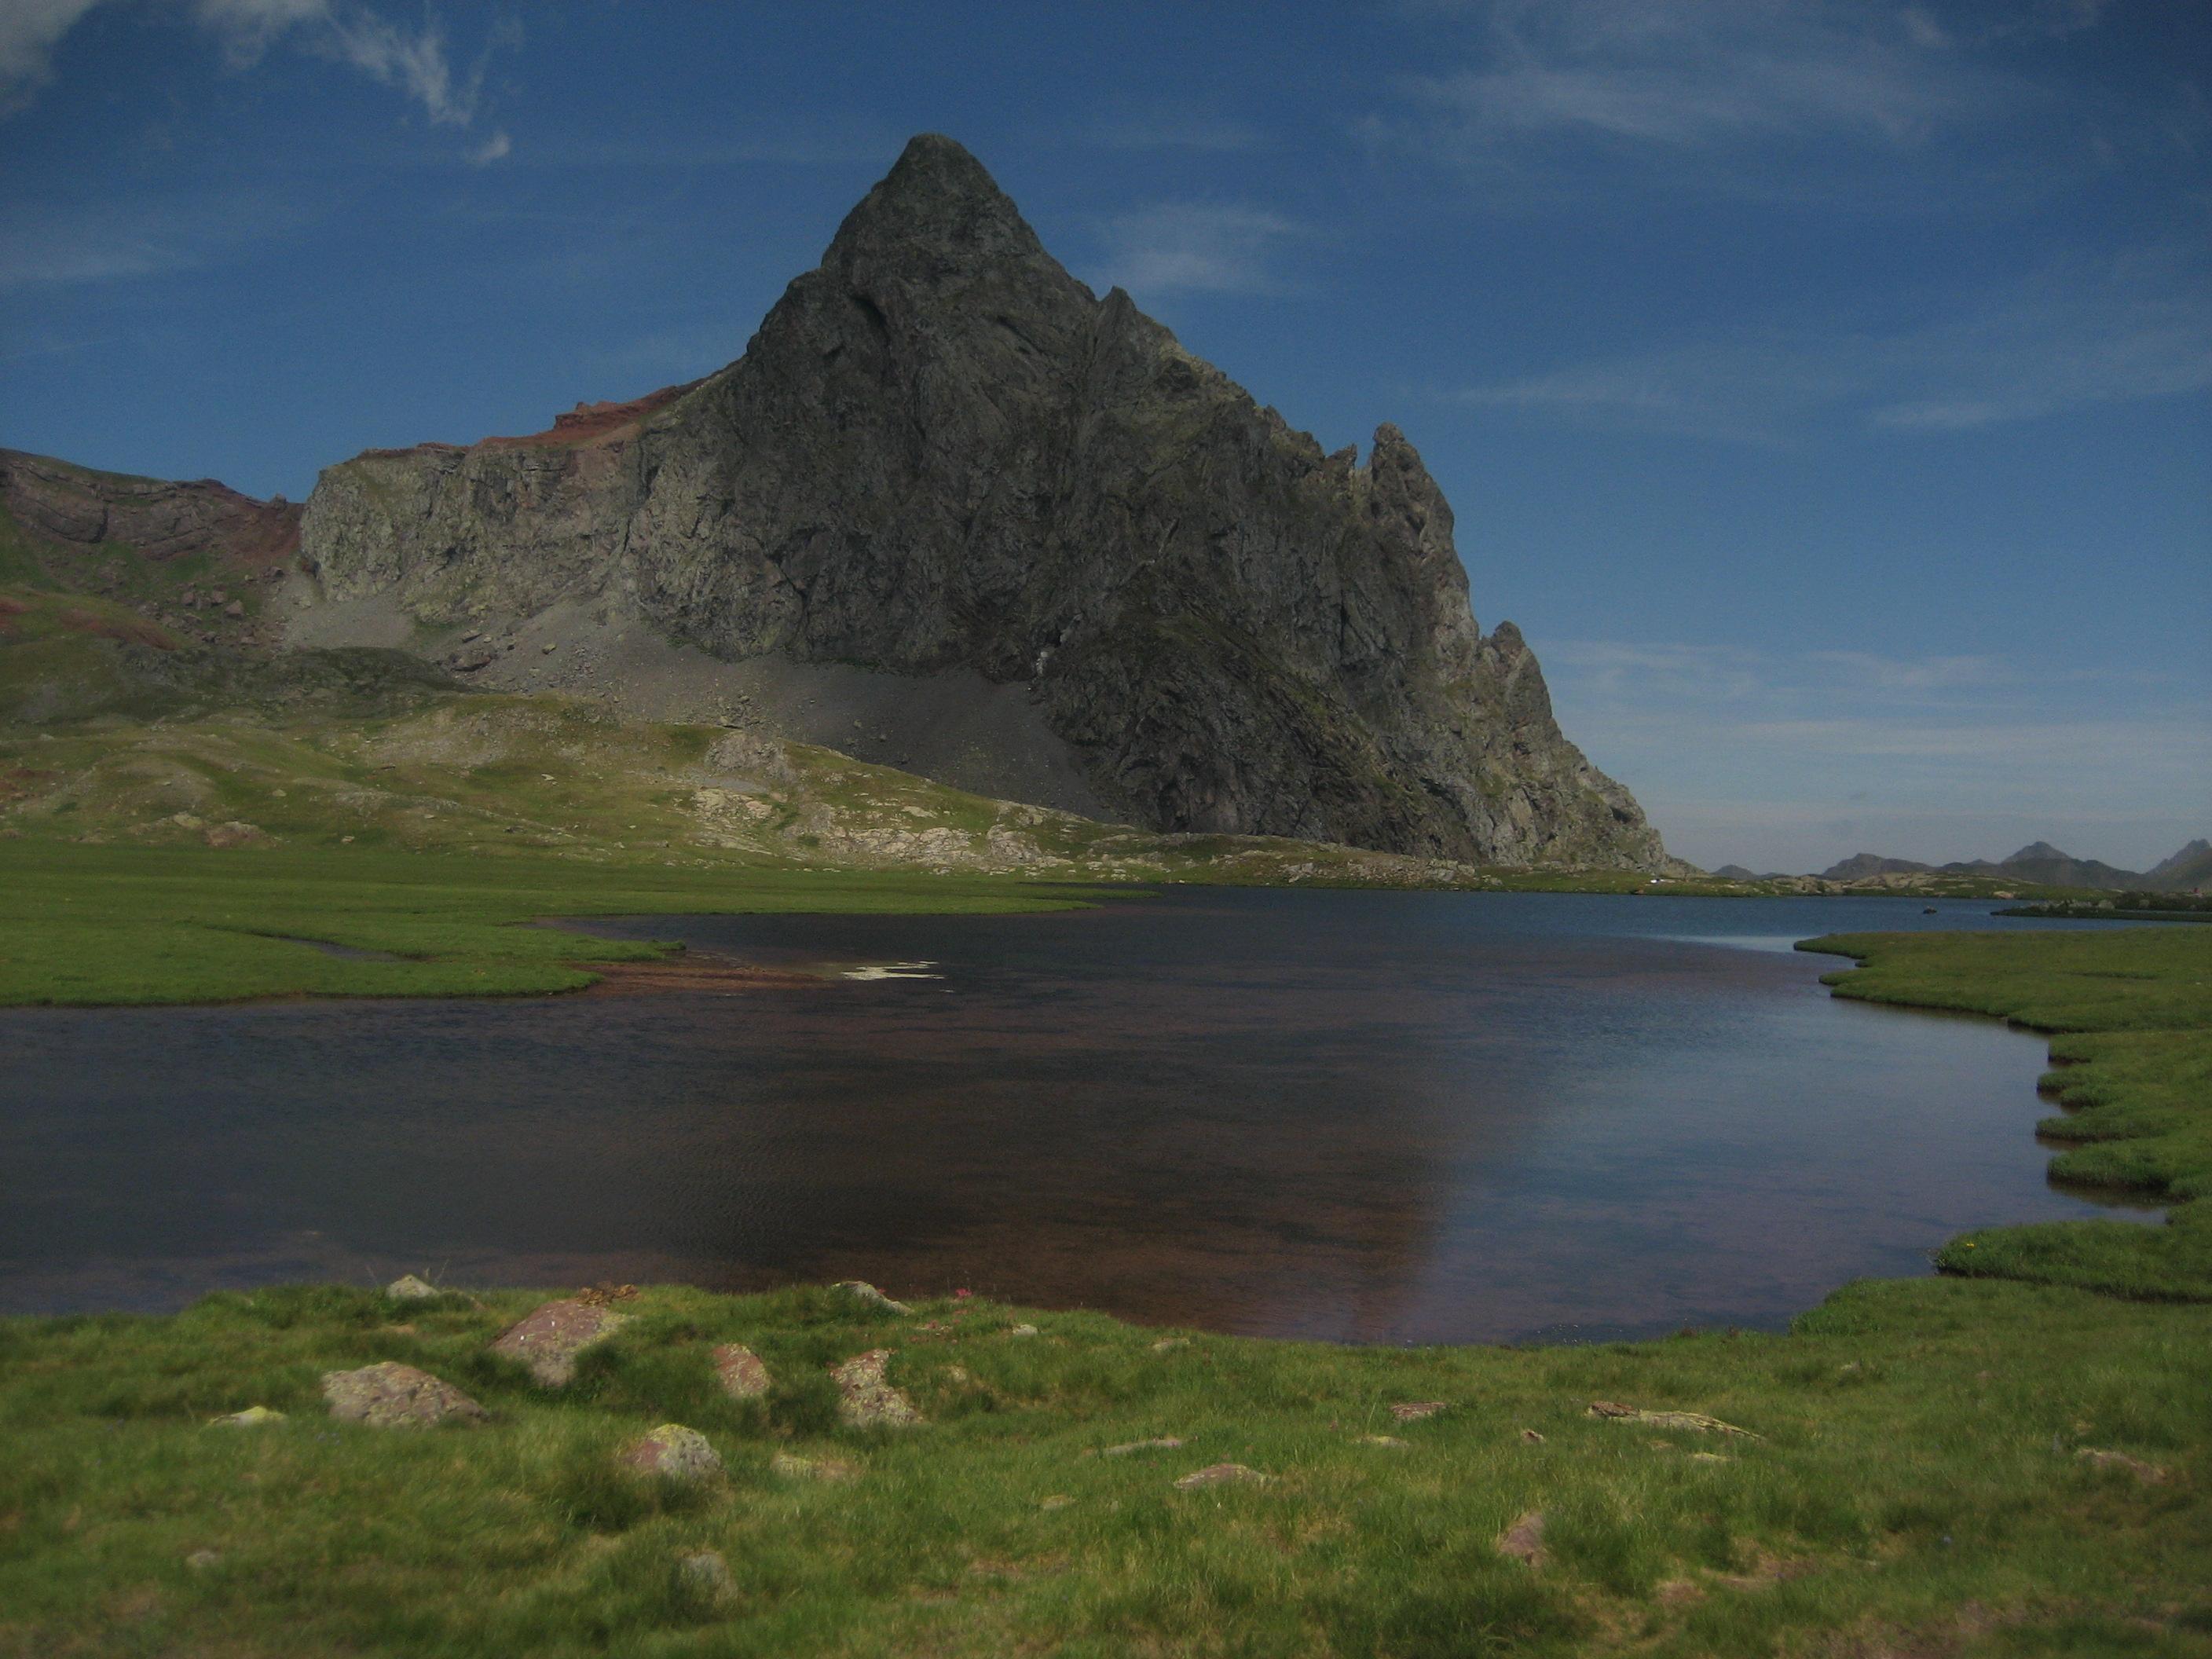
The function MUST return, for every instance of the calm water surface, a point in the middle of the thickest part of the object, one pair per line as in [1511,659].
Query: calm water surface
[1362,1116]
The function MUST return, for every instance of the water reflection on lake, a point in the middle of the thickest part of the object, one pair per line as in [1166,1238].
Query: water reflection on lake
[1361,1116]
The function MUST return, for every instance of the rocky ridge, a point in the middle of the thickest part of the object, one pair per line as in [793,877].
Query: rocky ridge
[943,455]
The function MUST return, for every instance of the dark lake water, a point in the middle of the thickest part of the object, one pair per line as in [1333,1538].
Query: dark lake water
[1360,1116]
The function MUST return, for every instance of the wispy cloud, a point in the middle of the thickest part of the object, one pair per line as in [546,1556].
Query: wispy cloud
[46,244]
[29,32]
[413,60]
[2078,333]
[1200,247]
[1793,760]
[1173,130]
[1795,98]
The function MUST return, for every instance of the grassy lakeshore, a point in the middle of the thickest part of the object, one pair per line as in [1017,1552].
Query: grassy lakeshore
[132,925]
[1959,1466]
[2130,1015]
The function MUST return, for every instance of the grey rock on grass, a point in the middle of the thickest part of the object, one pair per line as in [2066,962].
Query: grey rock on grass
[388,1395]
[674,1451]
[549,1339]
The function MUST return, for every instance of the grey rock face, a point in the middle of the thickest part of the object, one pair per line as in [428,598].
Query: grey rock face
[941,450]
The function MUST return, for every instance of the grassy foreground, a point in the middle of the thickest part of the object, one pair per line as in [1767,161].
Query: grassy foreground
[120,925]
[2131,1013]
[1917,1487]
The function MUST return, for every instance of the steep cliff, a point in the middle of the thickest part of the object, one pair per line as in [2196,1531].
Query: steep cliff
[942,453]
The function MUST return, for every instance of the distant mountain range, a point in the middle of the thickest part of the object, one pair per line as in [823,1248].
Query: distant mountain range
[2039,861]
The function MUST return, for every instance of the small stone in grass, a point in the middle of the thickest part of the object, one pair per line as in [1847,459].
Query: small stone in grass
[1380,1440]
[1165,1443]
[1221,1474]
[201,1560]
[253,1417]
[1059,1500]
[860,1290]
[2149,1473]
[673,1450]
[388,1396]
[1524,1539]
[1532,1437]
[740,1371]
[1022,1330]
[1413,1410]
[791,1466]
[1709,1457]
[705,1571]
[408,1288]
[1169,1344]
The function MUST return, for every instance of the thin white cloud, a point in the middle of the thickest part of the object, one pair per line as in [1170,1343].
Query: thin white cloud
[46,243]
[29,32]
[496,148]
[1174,129]
[1197,247]
[412,60]
[1792,760]
[2078,333]
[1695,72]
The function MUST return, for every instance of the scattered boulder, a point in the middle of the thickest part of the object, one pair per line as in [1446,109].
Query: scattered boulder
[237,833]
[706,1572]
[740,1371]
[234,610]
[865,1398]
[2149,1473]
[673,1450]
[253,1417]
[1022,1330]
[1165,1443]
[408,1288]
[793,1466]
[860,1290]
[549,1339]
[1413,1411]
[1696,1420]
[1221,1474]
[1524,1539]
[1532,1438]
[389,1395]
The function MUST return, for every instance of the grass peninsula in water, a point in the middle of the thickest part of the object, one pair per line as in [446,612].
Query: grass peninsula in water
[2001,1460]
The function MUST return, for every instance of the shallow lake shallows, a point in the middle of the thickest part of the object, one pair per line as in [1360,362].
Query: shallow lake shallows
[1360,1116]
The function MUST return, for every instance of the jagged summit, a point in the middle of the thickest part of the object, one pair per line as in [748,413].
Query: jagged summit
[942,458]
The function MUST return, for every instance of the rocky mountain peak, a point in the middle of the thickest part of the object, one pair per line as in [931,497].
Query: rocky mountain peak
[2035,850]
[943,456]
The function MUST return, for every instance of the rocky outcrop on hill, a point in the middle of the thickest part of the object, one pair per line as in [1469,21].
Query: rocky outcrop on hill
[942,454]
[77,513]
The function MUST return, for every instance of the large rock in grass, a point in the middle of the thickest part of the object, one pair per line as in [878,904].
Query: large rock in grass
[675,1452]
[549,1338]
[865,1398]
[740,1371]
[389,1395]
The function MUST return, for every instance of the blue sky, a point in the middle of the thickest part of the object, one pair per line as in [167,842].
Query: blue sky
[1825,389]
